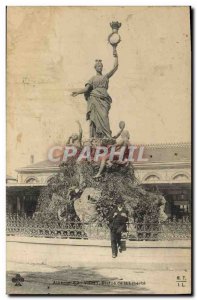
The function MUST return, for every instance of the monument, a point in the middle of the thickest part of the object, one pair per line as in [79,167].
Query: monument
[88,190]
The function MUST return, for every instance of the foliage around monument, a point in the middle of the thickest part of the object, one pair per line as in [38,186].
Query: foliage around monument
[117,181]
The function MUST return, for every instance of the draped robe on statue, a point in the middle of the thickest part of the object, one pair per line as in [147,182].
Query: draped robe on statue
[98,106]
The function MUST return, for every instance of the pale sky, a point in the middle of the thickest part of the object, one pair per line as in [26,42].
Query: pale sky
[51,51]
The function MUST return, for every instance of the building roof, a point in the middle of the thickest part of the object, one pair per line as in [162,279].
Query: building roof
[43,164]
[155,153]
[169,153]
[10,178]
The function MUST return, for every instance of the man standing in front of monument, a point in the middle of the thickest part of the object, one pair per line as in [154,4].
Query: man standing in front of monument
[117,224]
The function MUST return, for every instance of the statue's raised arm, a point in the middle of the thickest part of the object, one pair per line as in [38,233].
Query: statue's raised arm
[115,68]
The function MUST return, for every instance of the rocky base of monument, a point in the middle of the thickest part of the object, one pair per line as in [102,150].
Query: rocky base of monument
[75,195]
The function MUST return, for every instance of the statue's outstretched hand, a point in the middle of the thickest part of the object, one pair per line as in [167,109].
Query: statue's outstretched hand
[74,94]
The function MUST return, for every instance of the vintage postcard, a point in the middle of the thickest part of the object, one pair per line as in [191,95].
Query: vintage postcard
[99,150]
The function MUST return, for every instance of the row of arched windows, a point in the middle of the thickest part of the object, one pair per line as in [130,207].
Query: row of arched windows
[149,177]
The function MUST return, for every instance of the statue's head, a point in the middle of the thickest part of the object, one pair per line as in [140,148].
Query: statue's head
[98,65]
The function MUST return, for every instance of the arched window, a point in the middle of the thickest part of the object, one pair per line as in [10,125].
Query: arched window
[48,180]
[152,178]
[181,177]
[31,180]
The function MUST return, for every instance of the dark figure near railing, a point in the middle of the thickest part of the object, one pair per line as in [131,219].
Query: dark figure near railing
[117,224]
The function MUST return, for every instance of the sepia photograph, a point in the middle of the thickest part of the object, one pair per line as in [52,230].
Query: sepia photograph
[98,146]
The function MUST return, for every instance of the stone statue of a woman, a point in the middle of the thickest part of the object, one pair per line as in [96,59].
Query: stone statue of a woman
[98,100]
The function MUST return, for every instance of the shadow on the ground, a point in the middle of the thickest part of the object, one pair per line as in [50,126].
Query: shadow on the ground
[73,281]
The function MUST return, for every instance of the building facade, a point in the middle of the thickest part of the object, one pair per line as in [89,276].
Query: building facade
[167,169]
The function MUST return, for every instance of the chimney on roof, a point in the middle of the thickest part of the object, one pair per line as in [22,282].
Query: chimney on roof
[32,159]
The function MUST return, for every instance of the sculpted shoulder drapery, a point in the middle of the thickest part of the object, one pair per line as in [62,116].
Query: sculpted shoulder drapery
[98,100]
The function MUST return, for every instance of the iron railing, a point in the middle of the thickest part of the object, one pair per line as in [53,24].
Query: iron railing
[168,230]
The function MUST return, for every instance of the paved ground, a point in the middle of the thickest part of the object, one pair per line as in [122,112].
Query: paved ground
[113,277]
